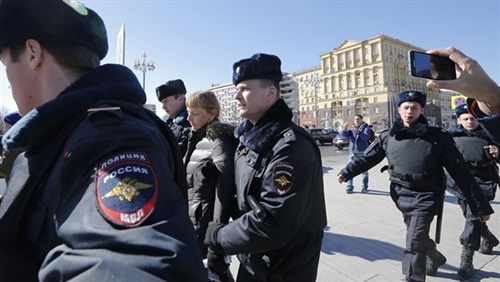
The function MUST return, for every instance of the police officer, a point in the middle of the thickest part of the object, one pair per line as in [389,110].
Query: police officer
[173,99]
[416,154]
[481,155]
[277,165]
[95,196]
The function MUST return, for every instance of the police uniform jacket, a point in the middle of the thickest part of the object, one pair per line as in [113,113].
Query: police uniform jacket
[416,157]
[470,144]
[180,126]
[210,176]
[96,195]
[279,164]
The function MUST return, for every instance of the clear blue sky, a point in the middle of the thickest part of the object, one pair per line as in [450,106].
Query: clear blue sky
[198,41]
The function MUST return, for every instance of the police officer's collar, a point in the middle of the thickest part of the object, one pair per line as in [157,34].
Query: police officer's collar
[418,129]
[260,136]
[181,116]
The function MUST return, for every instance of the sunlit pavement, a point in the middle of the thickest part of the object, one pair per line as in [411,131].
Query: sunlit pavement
[365,236]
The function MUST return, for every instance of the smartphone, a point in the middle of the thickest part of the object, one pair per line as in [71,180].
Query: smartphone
[431,66]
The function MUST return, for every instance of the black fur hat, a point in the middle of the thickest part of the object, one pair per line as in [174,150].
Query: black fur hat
[462,109]
[66,22]
[172,87]
[259,66]
[412,96]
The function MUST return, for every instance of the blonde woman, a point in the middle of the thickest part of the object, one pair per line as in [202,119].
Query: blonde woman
[209,162]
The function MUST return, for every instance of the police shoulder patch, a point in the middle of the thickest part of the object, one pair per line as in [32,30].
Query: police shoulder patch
[283,177]
[126,188]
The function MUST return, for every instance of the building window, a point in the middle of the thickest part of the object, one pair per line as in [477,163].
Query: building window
[375,49]
[375,99]
[376,110]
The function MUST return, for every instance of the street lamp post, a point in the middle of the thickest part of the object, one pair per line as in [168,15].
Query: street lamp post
[315,81]
[144,66]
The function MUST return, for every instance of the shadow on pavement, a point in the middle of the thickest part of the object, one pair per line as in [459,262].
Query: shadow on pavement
[477,276]
[327,169]
[368,249]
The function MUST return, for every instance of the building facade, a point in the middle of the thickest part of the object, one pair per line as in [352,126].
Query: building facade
[361,77]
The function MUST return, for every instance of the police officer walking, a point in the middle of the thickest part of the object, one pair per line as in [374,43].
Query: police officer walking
[95,196]
[481,154]
[278,230]
[172,95]
[416,154]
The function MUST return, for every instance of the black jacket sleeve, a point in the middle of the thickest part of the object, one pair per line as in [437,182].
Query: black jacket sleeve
[223,158]
[373,155]
[457,168]
[287,209]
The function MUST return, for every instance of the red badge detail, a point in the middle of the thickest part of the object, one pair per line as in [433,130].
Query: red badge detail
[126,188]
[283,177]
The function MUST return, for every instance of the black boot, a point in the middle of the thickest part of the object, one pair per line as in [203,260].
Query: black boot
[466,268]
[434,260]
[488,241]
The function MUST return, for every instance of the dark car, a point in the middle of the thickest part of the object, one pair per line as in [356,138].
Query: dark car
[321,136]
[341,142]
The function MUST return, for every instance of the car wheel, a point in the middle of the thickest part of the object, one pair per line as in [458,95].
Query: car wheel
[318,142]
[340,147]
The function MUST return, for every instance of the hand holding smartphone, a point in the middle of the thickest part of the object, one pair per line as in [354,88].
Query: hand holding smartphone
[431,66]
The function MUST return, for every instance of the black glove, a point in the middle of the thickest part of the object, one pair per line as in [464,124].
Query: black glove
[216,262]
[211,234]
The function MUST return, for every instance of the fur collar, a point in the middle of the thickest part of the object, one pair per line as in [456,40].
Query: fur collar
[419,129]
[218,129]
[460,131]
[263,134]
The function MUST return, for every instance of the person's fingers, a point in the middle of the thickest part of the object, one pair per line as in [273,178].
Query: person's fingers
[444,52]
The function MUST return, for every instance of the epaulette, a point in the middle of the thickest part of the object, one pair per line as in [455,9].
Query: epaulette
[289,135]
[104,115]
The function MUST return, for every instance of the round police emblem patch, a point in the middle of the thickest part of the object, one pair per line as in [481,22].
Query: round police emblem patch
[283,177]
[126,188]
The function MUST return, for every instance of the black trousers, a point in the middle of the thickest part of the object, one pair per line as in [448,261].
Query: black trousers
[418,244]
[473,229]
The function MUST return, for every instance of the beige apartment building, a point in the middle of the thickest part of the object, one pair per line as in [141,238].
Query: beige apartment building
[360,77]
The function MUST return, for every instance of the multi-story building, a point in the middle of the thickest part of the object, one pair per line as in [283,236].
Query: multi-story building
[225,94]
[229,113]
[307,85]
[361,77]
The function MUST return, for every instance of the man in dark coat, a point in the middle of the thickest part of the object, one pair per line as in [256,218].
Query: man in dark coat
[95,195]
[172,95]
[278,229]
[481,154]
[416,154]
